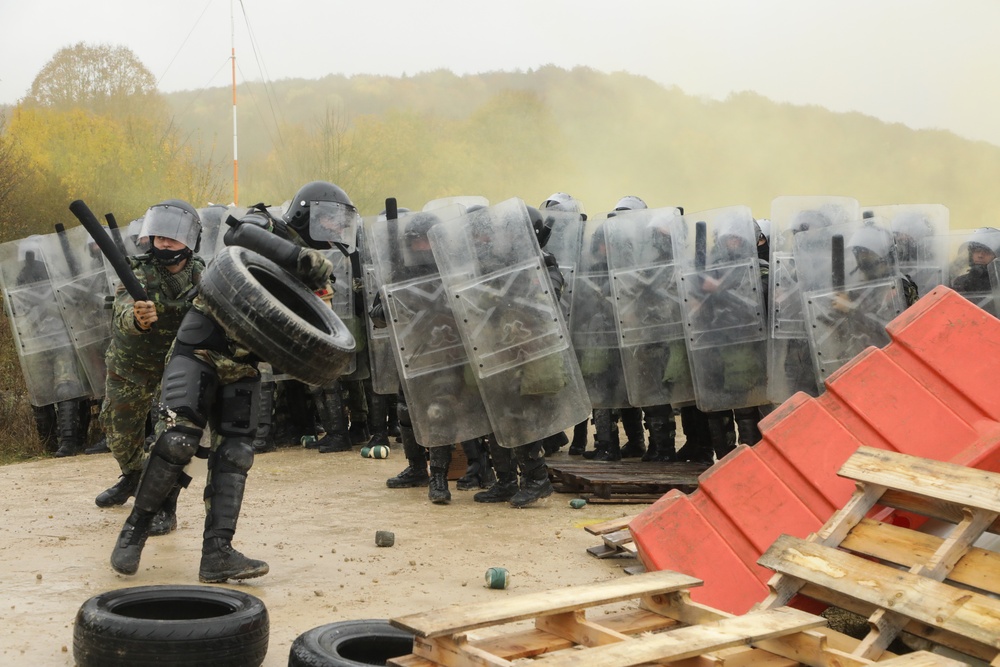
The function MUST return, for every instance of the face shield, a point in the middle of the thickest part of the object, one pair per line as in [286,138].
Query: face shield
[172,222]
[335,223]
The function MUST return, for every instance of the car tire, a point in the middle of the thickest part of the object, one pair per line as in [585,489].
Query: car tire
[171,625]
[274,315]
[350,644]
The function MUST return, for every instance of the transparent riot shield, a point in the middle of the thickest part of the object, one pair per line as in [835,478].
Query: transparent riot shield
[48,360]
[444,403]
[919,231]
[384,375]
[851,289]
[790,365]
[81,287]
[994,271]
[721,290]
[511,324]
[342,302]
[465,202]
[643,251]
[565,243]
[213,228]
[970,253]
[592,325]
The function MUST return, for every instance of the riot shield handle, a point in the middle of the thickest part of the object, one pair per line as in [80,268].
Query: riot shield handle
[116,235]
[110,250]
[392,227]
[837,250]
[700,245]
[74,269]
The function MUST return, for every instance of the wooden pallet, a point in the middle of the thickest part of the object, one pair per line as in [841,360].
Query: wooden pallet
[665,627]
[622,481]
[941,589]
[616,540]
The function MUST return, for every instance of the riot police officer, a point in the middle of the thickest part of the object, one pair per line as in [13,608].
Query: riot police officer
[213,377]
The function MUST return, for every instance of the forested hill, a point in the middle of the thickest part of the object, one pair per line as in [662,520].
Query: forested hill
[527,134]
[598,136]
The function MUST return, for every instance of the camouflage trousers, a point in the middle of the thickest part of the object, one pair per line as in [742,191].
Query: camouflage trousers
[127,403]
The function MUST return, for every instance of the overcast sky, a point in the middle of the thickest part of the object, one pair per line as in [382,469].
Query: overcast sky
[924,63]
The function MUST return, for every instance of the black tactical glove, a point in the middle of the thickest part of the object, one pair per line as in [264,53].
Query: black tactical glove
[314,269]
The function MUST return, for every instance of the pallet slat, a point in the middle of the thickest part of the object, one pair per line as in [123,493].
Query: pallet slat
[508,610]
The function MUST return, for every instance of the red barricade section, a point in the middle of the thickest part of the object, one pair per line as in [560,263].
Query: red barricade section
[931,392]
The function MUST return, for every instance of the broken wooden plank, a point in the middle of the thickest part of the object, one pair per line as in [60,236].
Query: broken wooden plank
[979,568]
[689,641]
[609,526]
[948,482]
[959,611]
[457,619]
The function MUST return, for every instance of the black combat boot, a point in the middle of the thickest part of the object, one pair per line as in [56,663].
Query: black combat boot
[45,424]
[415,473]
[722,432]
[330,408]
[635,433]
[553,443]
[157,481]
[535,483]
[120,492]
[606,445]
[505,486]
[165,520]
[579,444]
[69,422]
[437,491]
[746,425]
[479,472]
[662,434]
[697,446]
[219,560]
[378,423]
[263,440]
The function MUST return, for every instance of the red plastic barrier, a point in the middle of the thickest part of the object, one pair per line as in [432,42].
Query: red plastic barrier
[932,392]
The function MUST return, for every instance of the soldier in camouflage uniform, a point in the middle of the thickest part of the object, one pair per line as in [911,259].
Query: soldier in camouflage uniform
[169,273]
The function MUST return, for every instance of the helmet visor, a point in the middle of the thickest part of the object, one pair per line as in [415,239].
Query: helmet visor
[334,222]
[171,222]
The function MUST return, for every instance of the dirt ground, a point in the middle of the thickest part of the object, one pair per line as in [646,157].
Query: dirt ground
[312,517]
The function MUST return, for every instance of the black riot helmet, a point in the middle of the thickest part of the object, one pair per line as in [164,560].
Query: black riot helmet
[416,245]
[542,226]
[874,251]
[338,212]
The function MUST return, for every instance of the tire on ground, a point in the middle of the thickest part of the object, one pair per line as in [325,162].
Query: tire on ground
[171,625]
[274,315]
[350,644]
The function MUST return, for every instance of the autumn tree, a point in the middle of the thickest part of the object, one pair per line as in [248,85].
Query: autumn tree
[13,178]
[94,127]
[103,79]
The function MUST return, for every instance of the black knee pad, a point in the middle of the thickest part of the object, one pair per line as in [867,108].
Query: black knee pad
[234,455]
[177,445]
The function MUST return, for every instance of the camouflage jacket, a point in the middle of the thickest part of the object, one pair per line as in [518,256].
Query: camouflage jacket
[133,350]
